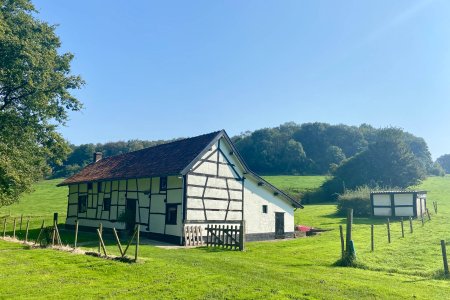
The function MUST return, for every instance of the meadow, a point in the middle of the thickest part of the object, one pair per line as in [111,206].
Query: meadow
[303,268]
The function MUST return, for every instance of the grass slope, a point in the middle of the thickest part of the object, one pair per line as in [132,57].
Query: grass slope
[44,201]
[296,184]
[292,269]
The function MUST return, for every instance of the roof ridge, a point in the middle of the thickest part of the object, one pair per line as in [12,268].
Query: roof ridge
[163,144]
[159,160]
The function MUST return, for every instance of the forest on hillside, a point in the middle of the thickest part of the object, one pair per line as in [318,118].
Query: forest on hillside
[289,149]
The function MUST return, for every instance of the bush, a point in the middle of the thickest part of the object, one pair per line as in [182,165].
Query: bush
[437,170]
[358,199]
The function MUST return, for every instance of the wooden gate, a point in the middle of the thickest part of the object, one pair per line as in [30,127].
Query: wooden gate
[225,236]
[193,236]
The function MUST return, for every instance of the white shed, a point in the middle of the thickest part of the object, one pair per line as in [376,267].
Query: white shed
[398,203]
[196,181]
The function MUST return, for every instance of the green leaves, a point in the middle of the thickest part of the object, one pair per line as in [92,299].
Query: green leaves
[35,96]
[387,162]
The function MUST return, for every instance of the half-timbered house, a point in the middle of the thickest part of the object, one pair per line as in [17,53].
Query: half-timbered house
[200,180]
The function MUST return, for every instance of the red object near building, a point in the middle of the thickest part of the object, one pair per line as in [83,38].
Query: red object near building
[303,228]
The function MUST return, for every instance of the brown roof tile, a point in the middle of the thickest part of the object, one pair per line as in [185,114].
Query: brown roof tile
[161,160]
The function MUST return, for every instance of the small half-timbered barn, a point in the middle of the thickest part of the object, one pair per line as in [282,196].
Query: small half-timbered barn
[398,203]
[200,180]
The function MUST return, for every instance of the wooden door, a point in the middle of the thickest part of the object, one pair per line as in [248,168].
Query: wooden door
[279,225]
[130,209]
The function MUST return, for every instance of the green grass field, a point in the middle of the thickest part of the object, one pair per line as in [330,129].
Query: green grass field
[296,185]
[302,268]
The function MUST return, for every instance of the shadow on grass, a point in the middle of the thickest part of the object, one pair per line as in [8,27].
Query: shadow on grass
[215,249]
[366,220]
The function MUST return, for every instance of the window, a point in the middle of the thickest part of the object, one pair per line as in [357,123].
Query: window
[99,187]
[89,185]
[264,209]
[107,204]
[82,204]
[171,214]
[163,183]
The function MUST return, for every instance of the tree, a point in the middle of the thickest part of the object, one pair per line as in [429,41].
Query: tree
[35,96]
[388,162]
[272,151]
[437,170]
[444,161]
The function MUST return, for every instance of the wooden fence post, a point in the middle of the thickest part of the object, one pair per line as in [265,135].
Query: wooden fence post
[54,233]
[20,226]
[102,244]
[242,236]
[444,257]
[403,230]
[341,231]
[372,244]
[100,229]
[389,230]
[58,236]
[410,225]
[26,230]
[40,232]
[76,234]
[14,229]
[129,243]
[428,214]
[349,230]
[118,241]
[4,227]
[435,207]
[422,219]
[138,229]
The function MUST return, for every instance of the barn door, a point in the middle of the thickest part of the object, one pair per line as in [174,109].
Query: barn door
[130,211]
[279,225]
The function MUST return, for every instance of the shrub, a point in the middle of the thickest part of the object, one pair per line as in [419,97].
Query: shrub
[317,196]
[437,170]
[358,199]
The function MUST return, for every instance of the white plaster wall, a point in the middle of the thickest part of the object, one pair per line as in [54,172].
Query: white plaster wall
[381,200]
[121,190]
[255,220]
[95,223]
[403,199]
[382,211]
[404,211]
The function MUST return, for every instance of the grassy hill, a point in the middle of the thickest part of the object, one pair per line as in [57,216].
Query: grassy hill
[292,269]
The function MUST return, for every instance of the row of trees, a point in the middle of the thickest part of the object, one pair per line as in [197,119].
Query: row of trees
[82,155]
[318,148]
[311,148]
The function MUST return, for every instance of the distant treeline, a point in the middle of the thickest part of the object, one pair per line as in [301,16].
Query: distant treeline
[82,155]
[316,148]
[297,149]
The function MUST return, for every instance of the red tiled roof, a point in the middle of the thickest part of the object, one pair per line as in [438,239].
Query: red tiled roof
[161,160]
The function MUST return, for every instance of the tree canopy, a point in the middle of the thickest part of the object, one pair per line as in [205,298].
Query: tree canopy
[35,97]
[387,162]
[310,148]
[444,162]
[324,147]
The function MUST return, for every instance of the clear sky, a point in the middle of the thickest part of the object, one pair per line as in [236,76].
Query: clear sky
[165,69]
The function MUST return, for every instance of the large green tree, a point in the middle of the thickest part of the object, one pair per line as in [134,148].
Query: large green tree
[388,162]
[444,161]
[35,97]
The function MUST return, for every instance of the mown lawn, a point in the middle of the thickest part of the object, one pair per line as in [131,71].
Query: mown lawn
[293,269]
[296,185]
[44,201]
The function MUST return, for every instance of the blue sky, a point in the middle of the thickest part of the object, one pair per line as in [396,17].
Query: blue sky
[165,69]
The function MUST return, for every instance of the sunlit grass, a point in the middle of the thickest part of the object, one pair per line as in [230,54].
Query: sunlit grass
[302,268]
